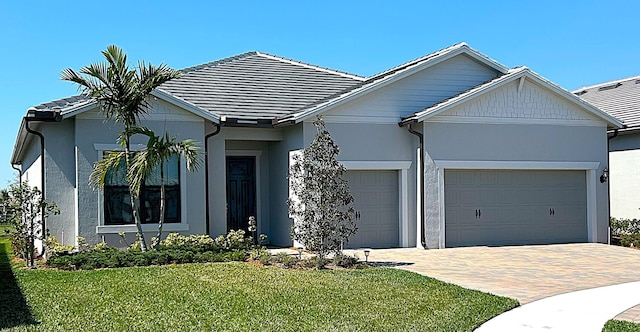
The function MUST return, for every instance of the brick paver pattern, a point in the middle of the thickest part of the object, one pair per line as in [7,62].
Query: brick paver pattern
[526,273]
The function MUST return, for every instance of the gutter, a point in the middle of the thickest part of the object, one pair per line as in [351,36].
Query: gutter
[206,173]
[409,127]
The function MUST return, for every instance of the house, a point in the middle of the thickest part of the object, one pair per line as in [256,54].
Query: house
[450,149]
[621,98]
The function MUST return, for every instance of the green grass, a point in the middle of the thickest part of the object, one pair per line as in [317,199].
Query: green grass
[621,326]
[238,297]
[3,231]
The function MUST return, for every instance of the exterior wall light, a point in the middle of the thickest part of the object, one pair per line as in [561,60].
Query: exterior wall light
[605,175]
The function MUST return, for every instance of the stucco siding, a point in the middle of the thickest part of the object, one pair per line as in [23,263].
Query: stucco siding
[415,92]
[257,142]
[366,144]
[279,221]
[61,179]
[91,130]
[624,174]
[503,143]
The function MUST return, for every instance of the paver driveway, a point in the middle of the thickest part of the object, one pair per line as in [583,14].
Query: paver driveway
[527,273]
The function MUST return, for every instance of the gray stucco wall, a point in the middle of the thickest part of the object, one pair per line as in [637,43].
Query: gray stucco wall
[497,142]
[625,142]
[229,139]
[61,178]
[280,223]
[90,131]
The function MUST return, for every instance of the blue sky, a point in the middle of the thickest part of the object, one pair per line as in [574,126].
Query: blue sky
[572,43]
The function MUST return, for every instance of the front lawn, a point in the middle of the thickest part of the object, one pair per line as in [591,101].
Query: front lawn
[237,296]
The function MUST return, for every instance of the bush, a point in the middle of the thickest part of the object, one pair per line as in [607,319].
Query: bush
[316,262]
[627,240]
[234,240]
[345,261]
[89,260]
[624,226]
[261,255]
[195,243]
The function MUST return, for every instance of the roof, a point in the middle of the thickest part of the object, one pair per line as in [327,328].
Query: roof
[619,98]
[257,85]
[510,76]
[389,76]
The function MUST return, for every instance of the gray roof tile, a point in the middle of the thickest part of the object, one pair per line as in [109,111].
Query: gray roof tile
[620,98]
[257,86]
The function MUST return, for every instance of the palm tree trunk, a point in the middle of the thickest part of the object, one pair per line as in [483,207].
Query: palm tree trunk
[134,199]
[162,205]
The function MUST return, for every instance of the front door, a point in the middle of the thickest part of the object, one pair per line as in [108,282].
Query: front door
[241,191]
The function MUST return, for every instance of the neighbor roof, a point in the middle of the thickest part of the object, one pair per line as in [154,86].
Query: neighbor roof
[257,85]
[620,98]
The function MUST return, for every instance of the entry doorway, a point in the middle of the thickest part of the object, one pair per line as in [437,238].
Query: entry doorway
[241,191]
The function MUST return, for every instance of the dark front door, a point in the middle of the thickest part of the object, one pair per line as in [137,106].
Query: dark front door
[241,191]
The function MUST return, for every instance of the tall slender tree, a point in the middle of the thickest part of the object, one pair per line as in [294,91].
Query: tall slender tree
[321,205]
[122,93]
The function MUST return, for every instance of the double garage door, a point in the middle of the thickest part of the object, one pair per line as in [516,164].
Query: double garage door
[375,195]
[511,207]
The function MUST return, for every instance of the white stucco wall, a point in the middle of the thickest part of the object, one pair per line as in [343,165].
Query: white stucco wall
[624,177]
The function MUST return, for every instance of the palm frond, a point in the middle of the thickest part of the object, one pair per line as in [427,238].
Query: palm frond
[109,162]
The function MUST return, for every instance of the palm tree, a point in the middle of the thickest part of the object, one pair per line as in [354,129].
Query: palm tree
[122,94]
[160,150]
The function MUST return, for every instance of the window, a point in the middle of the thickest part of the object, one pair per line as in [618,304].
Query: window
[117,203]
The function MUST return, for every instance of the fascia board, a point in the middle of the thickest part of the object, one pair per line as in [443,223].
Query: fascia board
[181,103]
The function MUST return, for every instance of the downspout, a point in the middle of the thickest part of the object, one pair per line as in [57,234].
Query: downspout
[421,190]
[609,138]
[33,115]
[206,172]
[19,174]
[42,172]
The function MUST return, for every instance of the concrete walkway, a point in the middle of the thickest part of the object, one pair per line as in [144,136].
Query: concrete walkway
[585,310]
[526,273]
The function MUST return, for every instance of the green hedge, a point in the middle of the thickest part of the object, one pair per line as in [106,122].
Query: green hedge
[110,258]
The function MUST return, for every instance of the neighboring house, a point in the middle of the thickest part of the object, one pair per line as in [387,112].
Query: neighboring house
[621,99]
[450,149]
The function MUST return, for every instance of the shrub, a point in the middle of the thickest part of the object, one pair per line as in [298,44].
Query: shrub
[52,246]
[261,255]
[627,240]
[195,243]
[234,240]
[624,226]
[316,262]
[345,261]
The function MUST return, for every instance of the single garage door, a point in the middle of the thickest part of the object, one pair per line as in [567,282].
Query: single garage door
[512,207]
[375,195]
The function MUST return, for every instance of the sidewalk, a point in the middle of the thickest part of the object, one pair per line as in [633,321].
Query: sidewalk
[585,310]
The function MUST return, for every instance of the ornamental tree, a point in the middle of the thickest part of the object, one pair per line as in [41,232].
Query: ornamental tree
[320,202]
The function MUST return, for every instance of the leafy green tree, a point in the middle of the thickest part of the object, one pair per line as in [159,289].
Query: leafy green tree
[24,206]
[321,204]
[122,94]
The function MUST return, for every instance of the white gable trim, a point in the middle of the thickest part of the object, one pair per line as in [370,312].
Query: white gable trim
[446,54]
[515,74]
[158,93]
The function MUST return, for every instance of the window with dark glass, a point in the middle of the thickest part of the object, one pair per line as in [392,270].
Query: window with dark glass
[117,204]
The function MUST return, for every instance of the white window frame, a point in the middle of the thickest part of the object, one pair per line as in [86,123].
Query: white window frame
[167,227]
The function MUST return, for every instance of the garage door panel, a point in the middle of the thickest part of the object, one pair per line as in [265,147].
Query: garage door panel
[375,195]
[517,207]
